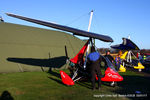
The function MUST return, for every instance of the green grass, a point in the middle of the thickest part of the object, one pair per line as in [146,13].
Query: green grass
[48,86]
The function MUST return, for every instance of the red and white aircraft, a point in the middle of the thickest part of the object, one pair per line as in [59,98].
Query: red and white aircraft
[111,75]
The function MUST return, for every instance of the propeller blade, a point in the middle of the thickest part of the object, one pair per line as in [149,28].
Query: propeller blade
[66,52]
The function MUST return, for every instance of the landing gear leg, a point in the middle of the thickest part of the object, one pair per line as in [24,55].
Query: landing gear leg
[140,70]
[113,84]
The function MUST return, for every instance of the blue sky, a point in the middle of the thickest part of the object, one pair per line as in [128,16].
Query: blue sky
[116,18]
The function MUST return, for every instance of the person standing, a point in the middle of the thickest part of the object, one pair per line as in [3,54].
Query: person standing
[94,67]
[118,61]
[109,56]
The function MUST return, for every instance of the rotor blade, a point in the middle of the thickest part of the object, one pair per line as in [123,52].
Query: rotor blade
[126,45]
[65,28]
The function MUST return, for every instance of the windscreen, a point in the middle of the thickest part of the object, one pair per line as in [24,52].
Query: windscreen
[108,63]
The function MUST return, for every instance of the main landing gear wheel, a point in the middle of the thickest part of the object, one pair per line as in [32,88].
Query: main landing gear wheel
[113,84]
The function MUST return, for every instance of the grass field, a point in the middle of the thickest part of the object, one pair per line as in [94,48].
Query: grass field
[48,86]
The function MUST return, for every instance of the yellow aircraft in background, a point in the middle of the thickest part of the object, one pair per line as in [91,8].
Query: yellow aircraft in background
[128,58]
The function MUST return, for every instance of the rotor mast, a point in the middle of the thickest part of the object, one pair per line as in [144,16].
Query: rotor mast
[90,20]
[90,41]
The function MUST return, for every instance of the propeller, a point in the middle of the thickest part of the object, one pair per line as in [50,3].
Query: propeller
[66,53]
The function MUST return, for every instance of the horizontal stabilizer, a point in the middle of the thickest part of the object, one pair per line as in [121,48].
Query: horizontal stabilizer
[65,28]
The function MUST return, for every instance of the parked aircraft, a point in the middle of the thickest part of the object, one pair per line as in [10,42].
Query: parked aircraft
[111,75]
[128,58]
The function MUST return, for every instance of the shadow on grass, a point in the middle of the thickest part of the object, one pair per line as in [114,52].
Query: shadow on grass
[55,62]
[86,84]
[57,77]
[56,80]
[147,68]
[53,73]
[6,96]
[134,87]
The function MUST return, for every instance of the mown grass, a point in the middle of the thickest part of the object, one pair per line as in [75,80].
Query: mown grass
[48,86]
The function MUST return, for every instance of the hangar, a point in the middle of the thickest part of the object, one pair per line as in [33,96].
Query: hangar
[25,48]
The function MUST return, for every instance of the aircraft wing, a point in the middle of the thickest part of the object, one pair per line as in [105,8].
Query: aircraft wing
[65,28]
